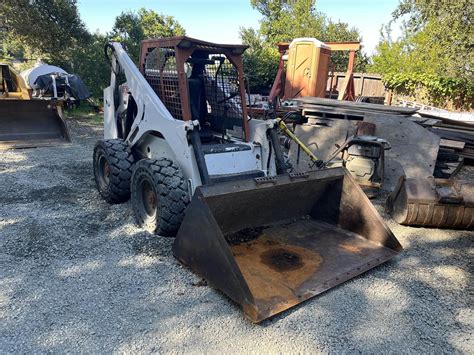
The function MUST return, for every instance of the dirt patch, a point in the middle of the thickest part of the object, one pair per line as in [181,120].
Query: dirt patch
[244,235]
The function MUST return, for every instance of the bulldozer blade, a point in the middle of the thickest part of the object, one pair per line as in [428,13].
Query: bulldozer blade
[430,202]
[272,243]
[31,123]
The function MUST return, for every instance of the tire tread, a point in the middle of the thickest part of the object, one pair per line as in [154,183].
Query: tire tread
[121,161]
[174,198]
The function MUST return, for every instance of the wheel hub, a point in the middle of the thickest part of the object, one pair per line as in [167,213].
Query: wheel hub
[149,199]
[104,172]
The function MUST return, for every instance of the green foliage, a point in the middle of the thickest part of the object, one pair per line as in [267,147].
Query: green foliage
[284,20]
[89,63]
[131,28]
[260,62]
[52,30]
[43,26]
[458,91]
[86,110]
[435,53]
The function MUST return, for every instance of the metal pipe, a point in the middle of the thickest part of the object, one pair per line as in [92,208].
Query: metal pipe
[199,155]
[292,136]
[55,90]
[279,158]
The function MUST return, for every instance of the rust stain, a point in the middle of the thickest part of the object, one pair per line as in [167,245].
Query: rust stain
[351,248]
[274,271]
[283,263]
[281,260]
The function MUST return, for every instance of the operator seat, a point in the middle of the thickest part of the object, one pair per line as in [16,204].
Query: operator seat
[198,105]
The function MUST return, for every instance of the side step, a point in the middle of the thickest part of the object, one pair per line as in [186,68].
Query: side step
[235,177]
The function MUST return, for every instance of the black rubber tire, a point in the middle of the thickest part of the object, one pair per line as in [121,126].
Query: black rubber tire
[113,163]
[159,196]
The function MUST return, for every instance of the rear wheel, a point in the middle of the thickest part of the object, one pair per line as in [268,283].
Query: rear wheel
[113,161]
[159,196]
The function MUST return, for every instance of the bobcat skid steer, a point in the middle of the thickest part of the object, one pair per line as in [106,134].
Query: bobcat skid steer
[178,143]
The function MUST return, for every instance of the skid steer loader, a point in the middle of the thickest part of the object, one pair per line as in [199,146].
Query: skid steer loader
[26,122]
[179,143]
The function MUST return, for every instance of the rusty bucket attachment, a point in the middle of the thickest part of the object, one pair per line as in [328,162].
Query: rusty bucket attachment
[430,202]
[31,123]
[272,243]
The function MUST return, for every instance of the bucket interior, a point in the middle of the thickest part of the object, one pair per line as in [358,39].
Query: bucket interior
[296,260]
[295,239]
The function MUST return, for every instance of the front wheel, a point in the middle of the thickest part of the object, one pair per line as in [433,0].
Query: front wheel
[159,196]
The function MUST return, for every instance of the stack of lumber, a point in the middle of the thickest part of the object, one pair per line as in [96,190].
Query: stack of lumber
[454,137]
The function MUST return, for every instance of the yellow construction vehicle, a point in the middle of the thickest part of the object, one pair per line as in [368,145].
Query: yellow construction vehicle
[26,122]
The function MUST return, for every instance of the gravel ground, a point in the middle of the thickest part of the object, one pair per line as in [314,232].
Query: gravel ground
[78,276]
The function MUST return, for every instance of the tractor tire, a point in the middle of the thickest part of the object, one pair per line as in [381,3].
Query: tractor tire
[159,196]
[113,162]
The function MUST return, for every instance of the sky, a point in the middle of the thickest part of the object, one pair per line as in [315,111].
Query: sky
[220,20]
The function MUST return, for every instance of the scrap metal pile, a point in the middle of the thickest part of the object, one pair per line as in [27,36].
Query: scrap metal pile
[385,148]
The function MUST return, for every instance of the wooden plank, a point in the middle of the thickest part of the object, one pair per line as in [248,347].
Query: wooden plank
[362,106]
[315,110]
[343,46]
[307,108]
[448,143]
[456,135]
[431,122]
[365,128]
[369,85]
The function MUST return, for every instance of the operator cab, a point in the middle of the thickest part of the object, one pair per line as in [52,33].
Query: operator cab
[202,81]
[212,93]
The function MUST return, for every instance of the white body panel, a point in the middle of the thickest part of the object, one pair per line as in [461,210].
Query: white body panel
[258,134]
[237,162]
[110,127]
[152,116]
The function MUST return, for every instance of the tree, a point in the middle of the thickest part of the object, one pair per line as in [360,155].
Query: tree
[45,27]
[131,28]
[53,31]
[282,21]
[435,52]
[446,25]
[89,63]
[260,61]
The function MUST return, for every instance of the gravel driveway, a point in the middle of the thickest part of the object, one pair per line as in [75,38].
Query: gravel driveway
[78,276]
